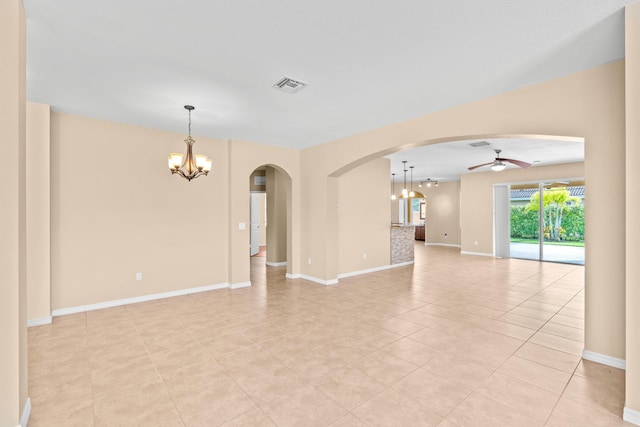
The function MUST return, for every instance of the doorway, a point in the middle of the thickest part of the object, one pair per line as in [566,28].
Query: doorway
[546,221]
[269,213]
[258,215]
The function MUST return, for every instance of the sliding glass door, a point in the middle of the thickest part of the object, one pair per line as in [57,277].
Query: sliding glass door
[547,221]
[524,222]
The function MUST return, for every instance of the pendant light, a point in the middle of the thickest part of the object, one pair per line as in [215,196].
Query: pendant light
[192,167]
[405,192]
[393,186]
[411,193]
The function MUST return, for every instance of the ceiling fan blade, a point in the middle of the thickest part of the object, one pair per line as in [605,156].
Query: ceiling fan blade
[479,166]
[520,163]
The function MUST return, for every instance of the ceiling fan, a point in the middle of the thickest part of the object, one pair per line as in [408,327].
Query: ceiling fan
[499,163]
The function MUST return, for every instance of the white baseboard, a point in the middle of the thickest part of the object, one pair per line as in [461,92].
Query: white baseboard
[240,285]
[475,253]
[312,279]
[133,300]
[344,275]
[603,359]
[26,413]
[631,416]
[373,270]
[276,264]
[451,245]
[40,321]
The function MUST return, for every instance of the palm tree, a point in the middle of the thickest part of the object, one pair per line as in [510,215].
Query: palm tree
[555,202]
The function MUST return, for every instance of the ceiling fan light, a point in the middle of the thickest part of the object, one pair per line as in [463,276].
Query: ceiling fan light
[498,166]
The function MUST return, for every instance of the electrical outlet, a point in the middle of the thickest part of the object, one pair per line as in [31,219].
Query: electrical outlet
[475,243]
[138,276]
[364,255]
[309,260]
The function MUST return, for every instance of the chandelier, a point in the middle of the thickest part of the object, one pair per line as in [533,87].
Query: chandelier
[192,167]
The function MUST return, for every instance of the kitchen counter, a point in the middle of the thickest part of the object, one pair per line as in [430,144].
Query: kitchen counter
[402,238]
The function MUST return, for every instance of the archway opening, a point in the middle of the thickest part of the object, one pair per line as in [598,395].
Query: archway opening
[460,211]
[270,221]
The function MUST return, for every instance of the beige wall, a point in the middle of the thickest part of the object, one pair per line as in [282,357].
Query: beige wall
[394,205]
[38,212]
[632,18]
[589,104]
[116,210]
[363,219]
[128,214]
[13,269]
[476,218]
[443,213]
[315,218]
[277,184]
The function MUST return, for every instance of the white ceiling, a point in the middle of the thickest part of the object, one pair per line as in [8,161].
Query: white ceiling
[368,63]
[447,161]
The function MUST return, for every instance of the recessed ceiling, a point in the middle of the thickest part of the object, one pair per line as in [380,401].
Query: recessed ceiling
[447,161]
[368,63]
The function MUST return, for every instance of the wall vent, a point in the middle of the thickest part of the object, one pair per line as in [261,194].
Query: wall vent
[289,85]
[479,144]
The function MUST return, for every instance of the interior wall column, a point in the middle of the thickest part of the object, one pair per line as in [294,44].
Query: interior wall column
[632,155]
[38,136]
[13,322]
[331,232]
[319,195]
[604,322]
[239,220]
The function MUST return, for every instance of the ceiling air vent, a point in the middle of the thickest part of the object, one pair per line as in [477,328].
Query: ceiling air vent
[479,144]
[289,85]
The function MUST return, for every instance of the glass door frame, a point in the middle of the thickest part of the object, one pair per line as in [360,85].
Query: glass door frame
[500,240]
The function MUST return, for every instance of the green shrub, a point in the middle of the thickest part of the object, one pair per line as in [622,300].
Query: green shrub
[525,223]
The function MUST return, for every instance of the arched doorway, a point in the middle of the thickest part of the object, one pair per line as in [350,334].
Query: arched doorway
[270,214]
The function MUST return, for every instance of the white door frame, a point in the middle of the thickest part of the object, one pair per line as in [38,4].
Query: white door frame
[255,224]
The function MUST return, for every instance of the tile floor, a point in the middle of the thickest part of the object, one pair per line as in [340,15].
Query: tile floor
[451,341]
